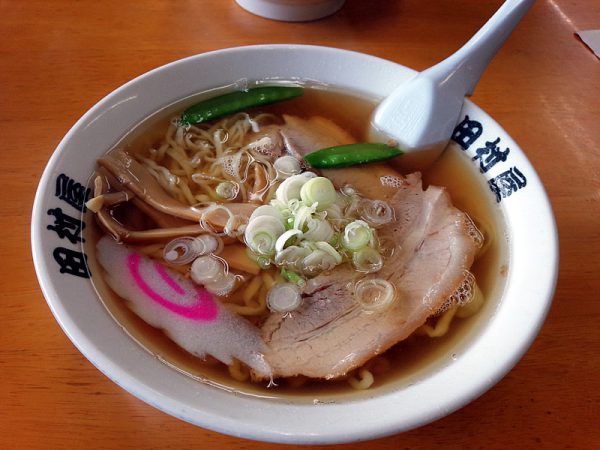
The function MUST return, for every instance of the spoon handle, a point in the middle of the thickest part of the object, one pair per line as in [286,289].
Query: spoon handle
[464,68]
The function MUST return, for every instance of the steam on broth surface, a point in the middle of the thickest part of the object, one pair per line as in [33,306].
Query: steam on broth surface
[404,361]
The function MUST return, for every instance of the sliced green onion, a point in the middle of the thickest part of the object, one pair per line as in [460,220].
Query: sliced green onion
[367,260]
[289,223]
[302,215]
[227,190]
[350,155]
[318,230]
[223,105]
[223,286]
[290,188]
[292,277]
[186,249]
[308,245]
[318,261]
[335,212]
[277,204]
[266,210]
[335,240]
[264,262]
[287,166]
[262,233]
[357,235]
[284,297]
[318,190]
[286,214]
[327,248]
[291,257]
[293,205]
[296,235]
[353,205]
[263,242]
[285,237]
[207,269]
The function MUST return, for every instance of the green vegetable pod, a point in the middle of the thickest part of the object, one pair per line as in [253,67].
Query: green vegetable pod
[220,106]
[351,155]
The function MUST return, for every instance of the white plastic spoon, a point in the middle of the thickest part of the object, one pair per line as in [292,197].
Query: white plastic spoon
[420,115]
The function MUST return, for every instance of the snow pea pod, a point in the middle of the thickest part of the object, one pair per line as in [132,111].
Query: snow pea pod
[220,106]
[350,155]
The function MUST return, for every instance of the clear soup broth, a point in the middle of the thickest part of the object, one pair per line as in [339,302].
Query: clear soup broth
[405,362]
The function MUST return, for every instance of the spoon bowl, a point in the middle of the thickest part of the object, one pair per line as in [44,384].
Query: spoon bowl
[420,115]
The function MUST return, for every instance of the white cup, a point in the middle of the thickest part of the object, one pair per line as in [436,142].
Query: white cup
[292,10]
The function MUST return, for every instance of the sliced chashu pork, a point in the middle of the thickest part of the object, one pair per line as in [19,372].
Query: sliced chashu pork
[331,334]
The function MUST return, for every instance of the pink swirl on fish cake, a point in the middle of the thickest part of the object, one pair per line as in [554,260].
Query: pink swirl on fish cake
[205,309]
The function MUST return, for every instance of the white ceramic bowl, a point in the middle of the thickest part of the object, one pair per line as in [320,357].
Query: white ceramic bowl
[490,353]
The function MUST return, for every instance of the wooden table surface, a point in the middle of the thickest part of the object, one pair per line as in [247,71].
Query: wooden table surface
[59,57]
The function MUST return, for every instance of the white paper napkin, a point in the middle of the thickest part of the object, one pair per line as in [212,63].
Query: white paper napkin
[591,38]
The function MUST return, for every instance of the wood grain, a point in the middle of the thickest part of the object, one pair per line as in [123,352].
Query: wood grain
[57,58]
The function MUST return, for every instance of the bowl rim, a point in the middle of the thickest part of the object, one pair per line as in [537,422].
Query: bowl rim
[294,433]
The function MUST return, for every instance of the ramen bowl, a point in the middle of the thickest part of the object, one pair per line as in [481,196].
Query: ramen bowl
[503,331]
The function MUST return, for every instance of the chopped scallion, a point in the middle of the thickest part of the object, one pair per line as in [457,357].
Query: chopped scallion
[357,235]
[318,190]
